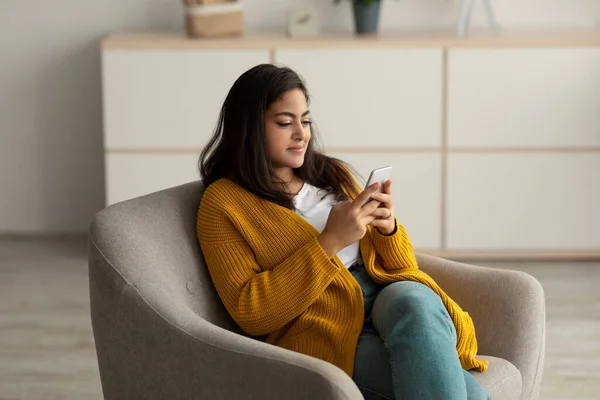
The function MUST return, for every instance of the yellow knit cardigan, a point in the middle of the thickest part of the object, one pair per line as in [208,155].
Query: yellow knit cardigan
[280,286]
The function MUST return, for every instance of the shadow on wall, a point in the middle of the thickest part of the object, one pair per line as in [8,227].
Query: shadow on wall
[69,104]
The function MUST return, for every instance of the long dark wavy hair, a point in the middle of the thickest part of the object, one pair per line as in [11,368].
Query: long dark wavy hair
[238,151]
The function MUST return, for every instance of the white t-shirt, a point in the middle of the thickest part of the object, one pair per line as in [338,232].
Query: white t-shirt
[315,209]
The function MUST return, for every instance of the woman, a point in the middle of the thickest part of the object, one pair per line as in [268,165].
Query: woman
[300,264]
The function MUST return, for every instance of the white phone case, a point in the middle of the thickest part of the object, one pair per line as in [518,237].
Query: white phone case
[379,175]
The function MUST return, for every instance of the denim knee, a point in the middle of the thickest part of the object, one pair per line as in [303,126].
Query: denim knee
[414,300]
[413,296]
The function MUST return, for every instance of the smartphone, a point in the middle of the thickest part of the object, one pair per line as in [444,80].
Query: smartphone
[378,175]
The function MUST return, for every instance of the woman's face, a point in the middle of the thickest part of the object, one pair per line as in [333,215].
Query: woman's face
[287,131]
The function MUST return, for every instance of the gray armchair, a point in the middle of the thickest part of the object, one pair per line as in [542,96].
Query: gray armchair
[161,331]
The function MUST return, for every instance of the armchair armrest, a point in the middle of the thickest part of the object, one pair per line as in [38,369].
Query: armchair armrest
[149,349]
[507,308]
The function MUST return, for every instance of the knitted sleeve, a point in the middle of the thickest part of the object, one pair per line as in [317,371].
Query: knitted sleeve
[395,250]
[260,301]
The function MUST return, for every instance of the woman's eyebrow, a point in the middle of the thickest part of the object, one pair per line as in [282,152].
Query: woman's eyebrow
[292,115]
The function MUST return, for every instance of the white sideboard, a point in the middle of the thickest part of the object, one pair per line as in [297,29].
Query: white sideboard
[495,141]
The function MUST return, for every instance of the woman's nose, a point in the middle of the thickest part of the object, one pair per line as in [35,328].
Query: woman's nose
[298,132]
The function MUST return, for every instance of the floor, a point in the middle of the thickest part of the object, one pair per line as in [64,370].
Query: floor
[47,349]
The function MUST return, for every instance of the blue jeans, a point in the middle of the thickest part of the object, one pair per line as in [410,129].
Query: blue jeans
[407,348]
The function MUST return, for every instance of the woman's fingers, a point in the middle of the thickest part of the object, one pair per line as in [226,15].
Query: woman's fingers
[387,187]
[383,198]
[362,198]
[368,208]
[381,212]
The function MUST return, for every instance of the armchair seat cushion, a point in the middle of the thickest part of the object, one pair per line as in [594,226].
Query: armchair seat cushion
[502,379]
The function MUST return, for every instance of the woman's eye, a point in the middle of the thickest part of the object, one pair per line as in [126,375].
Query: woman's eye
[288,124]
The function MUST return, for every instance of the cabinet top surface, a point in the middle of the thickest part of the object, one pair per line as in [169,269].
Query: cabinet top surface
[270,40]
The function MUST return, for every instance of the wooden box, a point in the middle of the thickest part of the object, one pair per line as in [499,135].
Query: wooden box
[214,20]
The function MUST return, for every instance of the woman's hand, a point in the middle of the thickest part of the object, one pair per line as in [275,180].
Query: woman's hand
[384,215]
[348,220]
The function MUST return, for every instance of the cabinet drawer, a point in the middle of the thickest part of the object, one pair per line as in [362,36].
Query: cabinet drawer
[524,201]
[168,99]
[373,97]
[527,97]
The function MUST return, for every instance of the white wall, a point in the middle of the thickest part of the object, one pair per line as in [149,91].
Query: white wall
[51,163]
[436,14]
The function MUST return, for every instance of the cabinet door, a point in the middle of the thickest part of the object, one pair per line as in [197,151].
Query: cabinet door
[379,98]
[524,97]
[130,175]
[416,190]
[168,99]
[530,201]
